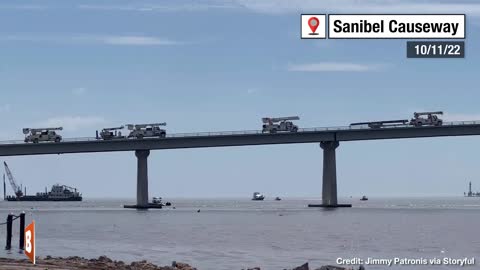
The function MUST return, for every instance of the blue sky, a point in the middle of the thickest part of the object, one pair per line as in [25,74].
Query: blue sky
[222,65]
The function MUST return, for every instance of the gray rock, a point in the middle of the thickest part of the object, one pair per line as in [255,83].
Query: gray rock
[302,267]
[331,267]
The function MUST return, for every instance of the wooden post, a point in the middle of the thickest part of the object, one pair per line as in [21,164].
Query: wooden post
[21,240]
[9,231]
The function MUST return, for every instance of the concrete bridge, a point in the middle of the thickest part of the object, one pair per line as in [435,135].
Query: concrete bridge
[328,138]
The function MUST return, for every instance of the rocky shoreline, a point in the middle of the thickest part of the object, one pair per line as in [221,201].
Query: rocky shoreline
[105,263]
[77,263]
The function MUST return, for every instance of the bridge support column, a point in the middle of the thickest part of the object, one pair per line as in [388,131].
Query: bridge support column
[142,178]
[329,186]
[142,181]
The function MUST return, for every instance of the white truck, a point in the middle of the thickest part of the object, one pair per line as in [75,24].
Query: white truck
[141,131]
[111,133]
[36,135]
[282,124]
[428,119]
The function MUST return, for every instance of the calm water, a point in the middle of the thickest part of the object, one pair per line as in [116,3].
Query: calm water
[231,234]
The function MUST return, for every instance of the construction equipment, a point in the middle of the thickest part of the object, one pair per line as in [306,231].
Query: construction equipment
[141,131]
[16,189]
[36,135]
[431,119]
[111,133]
[68,188]
[270,124]
[380,124]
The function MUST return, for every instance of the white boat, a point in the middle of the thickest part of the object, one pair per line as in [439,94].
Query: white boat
[158,201]
[257,196]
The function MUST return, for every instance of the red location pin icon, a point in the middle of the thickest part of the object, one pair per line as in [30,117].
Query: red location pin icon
[313,23]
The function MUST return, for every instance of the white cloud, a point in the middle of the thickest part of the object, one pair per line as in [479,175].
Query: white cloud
[449,117]
[252,90]
[361,6]
[335,67]
[73,123]
[296,6]
[286,6]
[23,7]
[80,91]
[129,40]
[5,108]
[190,6]
[135,40]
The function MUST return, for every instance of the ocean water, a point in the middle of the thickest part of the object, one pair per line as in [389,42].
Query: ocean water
[239,233]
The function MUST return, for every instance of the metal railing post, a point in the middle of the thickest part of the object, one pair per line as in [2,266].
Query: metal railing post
[9,231]
[21,240]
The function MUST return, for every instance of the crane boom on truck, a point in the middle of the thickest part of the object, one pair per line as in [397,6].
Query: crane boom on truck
[114,128]
[111,133]
[380,124]
[34,130]
[270,124]
[427,113]
[16,189]
[141,131]
[139,126]
[431,119]
[36,135]
[272,120]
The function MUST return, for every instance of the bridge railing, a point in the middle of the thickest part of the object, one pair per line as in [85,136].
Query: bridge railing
[219,133]
[253,132]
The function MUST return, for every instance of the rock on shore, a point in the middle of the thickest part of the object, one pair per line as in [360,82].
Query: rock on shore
[77,263]
[306,267]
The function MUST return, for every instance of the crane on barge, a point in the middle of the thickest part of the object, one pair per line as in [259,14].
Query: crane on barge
[16,188]
[57,193]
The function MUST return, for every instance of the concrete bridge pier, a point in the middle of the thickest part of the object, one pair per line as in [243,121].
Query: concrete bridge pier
[142,178]
[142,181]
[329,185]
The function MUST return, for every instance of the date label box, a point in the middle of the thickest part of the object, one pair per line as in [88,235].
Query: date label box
[435,49]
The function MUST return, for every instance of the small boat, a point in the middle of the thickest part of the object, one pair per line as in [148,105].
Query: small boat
[257,196]
[278,199]
[364,198]
[158,201]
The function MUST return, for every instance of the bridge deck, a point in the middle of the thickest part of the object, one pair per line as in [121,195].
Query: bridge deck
[238,138]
